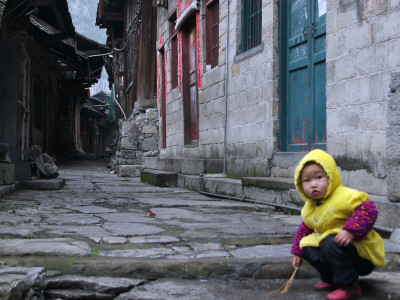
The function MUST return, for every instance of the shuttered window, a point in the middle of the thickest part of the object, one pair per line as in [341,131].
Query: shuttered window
[251,26]
[212,32]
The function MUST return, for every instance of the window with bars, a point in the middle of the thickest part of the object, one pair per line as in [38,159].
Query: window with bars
[174,51]
[212,32]
[251,24]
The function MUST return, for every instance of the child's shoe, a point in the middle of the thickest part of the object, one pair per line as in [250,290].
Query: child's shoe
[345,293]
[323,286]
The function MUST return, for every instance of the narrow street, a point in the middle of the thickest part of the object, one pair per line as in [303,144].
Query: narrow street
[109,237]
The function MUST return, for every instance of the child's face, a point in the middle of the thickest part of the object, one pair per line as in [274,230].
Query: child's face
[314,181]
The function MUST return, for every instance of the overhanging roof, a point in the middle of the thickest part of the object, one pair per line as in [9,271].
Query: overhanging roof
[64,52]
[2,8]
[93,51]
[110,12]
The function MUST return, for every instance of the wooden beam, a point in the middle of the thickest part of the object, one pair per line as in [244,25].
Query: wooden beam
[54,38]
[62,69]
[113,17]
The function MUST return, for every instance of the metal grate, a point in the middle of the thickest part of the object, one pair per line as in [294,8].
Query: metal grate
[212,16]
[251,24]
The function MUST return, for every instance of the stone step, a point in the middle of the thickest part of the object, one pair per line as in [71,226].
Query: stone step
[276,191]
[21,282]
[45,184]
[159,178]
[187,166]
[76,294]
[88,287]
[128,170]
[6,189]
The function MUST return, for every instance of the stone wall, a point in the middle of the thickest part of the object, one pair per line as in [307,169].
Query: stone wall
[362,38]
[138,137]
[361,41]
[252,100]
[393,140]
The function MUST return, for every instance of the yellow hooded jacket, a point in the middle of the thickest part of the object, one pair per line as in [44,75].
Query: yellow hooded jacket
[335,208]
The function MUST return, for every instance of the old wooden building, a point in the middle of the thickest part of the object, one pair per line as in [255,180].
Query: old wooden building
[45,71]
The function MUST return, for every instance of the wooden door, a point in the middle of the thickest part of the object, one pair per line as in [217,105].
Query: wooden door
[303,80]
[163,97]
[189,81]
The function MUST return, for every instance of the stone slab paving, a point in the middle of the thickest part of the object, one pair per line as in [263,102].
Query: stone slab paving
[55,246]
[118,227]
[214,289]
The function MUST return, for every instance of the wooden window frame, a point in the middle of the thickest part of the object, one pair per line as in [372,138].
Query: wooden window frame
[212,33]
[251,24]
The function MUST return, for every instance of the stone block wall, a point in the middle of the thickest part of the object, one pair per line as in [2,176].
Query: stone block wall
[393,140]
[361,40]
[252,98]
[138,137]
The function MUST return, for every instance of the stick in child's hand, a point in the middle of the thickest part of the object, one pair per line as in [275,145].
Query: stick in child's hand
[284,288]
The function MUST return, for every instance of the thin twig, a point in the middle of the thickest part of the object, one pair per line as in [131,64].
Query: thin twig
[284,288]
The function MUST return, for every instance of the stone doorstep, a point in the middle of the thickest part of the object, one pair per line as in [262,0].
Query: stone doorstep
[273,183]
[159,178]
[45,184]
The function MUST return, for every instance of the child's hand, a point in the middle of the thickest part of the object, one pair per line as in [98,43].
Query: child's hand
[344,238]
[297,260]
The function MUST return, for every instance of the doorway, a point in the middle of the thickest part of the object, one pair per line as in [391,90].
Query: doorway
[303,76]
[189,83]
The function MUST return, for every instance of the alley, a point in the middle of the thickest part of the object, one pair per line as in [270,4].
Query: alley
[168,242]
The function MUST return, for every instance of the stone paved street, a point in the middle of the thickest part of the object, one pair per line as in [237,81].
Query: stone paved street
[105,237]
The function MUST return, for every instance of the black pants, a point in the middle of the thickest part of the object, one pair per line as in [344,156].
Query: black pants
[337,265]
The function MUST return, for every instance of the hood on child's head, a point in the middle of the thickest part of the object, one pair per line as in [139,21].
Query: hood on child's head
[327,163]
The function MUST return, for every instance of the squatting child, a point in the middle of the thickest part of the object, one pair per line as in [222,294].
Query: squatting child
[336,235]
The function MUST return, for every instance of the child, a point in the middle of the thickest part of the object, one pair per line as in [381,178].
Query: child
[336,235]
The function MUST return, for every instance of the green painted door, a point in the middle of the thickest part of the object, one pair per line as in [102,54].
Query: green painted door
[303,75]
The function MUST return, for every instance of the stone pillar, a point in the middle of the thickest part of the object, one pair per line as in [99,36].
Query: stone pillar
[147,58]
[393,139]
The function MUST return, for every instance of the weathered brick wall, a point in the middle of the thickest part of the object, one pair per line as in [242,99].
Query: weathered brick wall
[362,38]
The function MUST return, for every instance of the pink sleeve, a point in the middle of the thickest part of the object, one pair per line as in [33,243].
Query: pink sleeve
[302,231]
[362,220]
